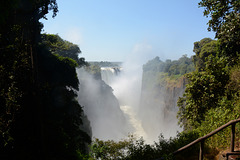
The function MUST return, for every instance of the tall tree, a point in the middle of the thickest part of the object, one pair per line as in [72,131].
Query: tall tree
[19,35]
[225,21]
[39,117]
[63,48]
[203,49]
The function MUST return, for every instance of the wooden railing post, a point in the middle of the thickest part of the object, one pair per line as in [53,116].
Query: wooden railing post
[201,150]
[232,137]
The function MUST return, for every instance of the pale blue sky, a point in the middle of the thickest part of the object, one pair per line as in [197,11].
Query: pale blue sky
[113,30]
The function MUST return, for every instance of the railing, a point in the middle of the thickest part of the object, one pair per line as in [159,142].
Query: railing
[202,139]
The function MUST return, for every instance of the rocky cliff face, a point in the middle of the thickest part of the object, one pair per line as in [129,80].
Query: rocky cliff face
[172,91]
[101,107]
[158,106]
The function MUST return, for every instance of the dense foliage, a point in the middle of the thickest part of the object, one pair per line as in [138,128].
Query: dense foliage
[211,98]
[39,116]
[225,21]
[135,149]
[157,73]
[177,67]
[63,48]
[209,85]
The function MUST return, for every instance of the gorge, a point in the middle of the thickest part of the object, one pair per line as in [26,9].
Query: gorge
[120,102]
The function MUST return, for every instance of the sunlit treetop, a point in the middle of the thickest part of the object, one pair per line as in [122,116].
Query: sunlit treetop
[225,21]
[220,11]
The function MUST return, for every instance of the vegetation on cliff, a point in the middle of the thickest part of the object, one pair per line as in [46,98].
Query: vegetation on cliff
[157,73]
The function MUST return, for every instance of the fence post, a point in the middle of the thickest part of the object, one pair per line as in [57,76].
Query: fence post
[201,150]
[232,137]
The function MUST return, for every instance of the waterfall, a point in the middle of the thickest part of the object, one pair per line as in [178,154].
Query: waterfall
[135,122]
[109,74]
[117,105]
[150,112]
[126,87]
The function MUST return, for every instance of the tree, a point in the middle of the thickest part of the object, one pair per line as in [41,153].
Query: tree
[206,85]
[203,49]
[63,137]
[19,33]
[63,48]
[225,21]
[39,116]
[203,91]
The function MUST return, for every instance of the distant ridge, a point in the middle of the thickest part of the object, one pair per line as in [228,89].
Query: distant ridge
[105,63]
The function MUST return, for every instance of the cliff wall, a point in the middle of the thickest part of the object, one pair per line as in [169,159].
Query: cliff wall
[158,106]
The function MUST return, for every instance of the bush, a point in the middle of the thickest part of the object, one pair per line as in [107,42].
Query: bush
[135,149]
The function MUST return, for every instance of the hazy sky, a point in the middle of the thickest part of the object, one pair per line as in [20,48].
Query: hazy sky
[113,30]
